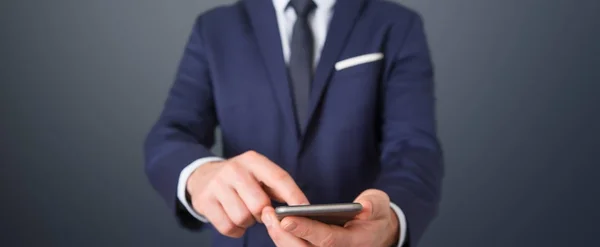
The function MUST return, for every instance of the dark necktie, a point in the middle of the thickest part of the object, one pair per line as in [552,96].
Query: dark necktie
[301,59]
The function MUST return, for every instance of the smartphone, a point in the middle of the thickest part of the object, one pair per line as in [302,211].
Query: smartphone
[333,214]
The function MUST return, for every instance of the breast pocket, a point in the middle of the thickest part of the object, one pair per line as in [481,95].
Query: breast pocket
[368,65]
[352,94]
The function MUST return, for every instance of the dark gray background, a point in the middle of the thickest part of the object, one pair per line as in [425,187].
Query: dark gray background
[82,82]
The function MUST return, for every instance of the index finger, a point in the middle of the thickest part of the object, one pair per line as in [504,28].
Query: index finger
[275,178]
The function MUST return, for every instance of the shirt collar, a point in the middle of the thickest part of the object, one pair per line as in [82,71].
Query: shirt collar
[280,5]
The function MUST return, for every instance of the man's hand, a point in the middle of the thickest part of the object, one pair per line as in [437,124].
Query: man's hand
[232,194]
[375,226]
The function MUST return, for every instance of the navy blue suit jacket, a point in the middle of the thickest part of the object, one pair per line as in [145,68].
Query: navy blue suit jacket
[370,126]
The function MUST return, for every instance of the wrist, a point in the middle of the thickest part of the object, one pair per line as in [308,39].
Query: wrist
[201,176]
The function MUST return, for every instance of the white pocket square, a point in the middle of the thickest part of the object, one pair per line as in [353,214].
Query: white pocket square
[353,61]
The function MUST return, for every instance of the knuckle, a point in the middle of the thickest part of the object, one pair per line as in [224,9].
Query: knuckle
[303,232]
[248,217]
[237,175]
[217,184]
[256,209]
[197,204]
[261,202]
[251,154]
[297,194]
[242,219]
[328,240]
[232,168]
[223,226]
[281,175]
[227,228]
[374,193]
[237,220]
[210,187]
[382,195]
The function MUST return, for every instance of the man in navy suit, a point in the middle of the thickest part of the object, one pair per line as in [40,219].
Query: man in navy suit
[318,102]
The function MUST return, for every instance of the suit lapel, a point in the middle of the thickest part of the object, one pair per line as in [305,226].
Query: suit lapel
[344,16]
[265,29]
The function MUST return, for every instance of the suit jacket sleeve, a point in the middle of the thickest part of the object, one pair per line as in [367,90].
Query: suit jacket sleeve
[411,157]
[185,129]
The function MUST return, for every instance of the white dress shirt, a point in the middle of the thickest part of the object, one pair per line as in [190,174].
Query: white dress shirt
[286,17]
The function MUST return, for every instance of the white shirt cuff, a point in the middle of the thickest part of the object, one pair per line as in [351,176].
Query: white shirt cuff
[181,185]
[401,223]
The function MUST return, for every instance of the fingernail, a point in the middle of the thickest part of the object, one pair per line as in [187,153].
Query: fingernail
[267,219]
[290,226]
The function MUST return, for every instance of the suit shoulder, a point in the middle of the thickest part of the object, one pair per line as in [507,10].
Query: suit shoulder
[221,14]
[391,11]
[212,23]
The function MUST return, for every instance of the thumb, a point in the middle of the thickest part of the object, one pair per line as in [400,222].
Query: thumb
[375,204]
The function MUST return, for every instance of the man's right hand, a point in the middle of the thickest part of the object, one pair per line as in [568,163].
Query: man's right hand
[231,194]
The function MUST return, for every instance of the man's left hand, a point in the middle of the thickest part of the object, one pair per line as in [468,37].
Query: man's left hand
[376,225]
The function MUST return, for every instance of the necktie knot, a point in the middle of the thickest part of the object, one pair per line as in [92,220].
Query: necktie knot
[302,7]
